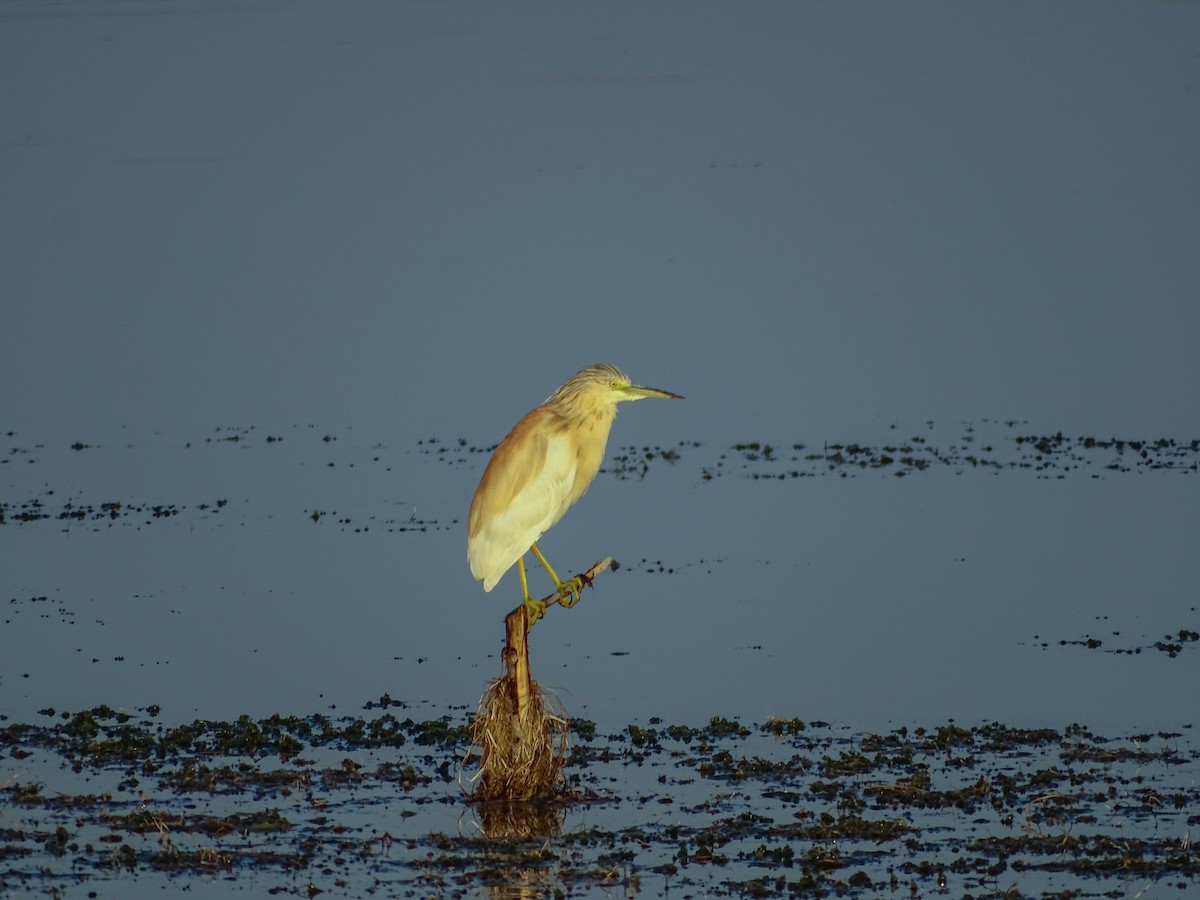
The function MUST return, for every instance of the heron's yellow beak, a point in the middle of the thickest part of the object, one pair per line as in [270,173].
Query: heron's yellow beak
[637,392]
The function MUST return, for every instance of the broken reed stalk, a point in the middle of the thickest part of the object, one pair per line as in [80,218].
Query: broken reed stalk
[522,745]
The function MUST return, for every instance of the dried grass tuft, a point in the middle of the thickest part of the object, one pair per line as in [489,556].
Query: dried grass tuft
[520,757]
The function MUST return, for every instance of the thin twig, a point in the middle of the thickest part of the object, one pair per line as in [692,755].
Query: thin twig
[586,577]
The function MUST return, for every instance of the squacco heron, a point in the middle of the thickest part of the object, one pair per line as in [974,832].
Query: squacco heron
[538,472]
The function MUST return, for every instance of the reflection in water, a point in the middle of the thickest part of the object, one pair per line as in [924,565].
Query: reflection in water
[527,883]
[520,819]
[509,823]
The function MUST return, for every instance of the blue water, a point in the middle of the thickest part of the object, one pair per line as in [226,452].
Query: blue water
[384,224]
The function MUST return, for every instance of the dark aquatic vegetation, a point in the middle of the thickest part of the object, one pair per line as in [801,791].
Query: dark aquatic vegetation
[306,804]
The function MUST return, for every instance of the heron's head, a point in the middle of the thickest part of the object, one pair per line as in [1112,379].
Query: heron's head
[601,387]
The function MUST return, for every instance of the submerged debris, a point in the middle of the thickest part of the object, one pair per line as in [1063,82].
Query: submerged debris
[977,448]
[1170,644]
[308,804]
[990,446]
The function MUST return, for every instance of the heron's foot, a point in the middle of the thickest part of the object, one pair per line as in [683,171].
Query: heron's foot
[534,610]
[568,591]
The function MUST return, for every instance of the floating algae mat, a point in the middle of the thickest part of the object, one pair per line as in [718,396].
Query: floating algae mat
[101,802]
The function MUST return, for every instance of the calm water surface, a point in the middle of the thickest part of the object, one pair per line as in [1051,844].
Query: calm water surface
[306,569]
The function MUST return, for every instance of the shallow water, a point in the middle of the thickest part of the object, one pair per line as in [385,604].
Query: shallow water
[104,802]
[302,569]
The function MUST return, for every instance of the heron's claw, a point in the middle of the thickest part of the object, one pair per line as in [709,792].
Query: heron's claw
[568,591]
[534,610]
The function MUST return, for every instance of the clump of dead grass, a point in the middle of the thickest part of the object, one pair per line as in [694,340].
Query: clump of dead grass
[521,755]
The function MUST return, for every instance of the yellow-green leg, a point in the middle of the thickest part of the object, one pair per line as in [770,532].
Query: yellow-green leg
[534,609]
[568,591]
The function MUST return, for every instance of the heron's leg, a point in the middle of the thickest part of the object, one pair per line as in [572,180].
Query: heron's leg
[534,609]
[568,591]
